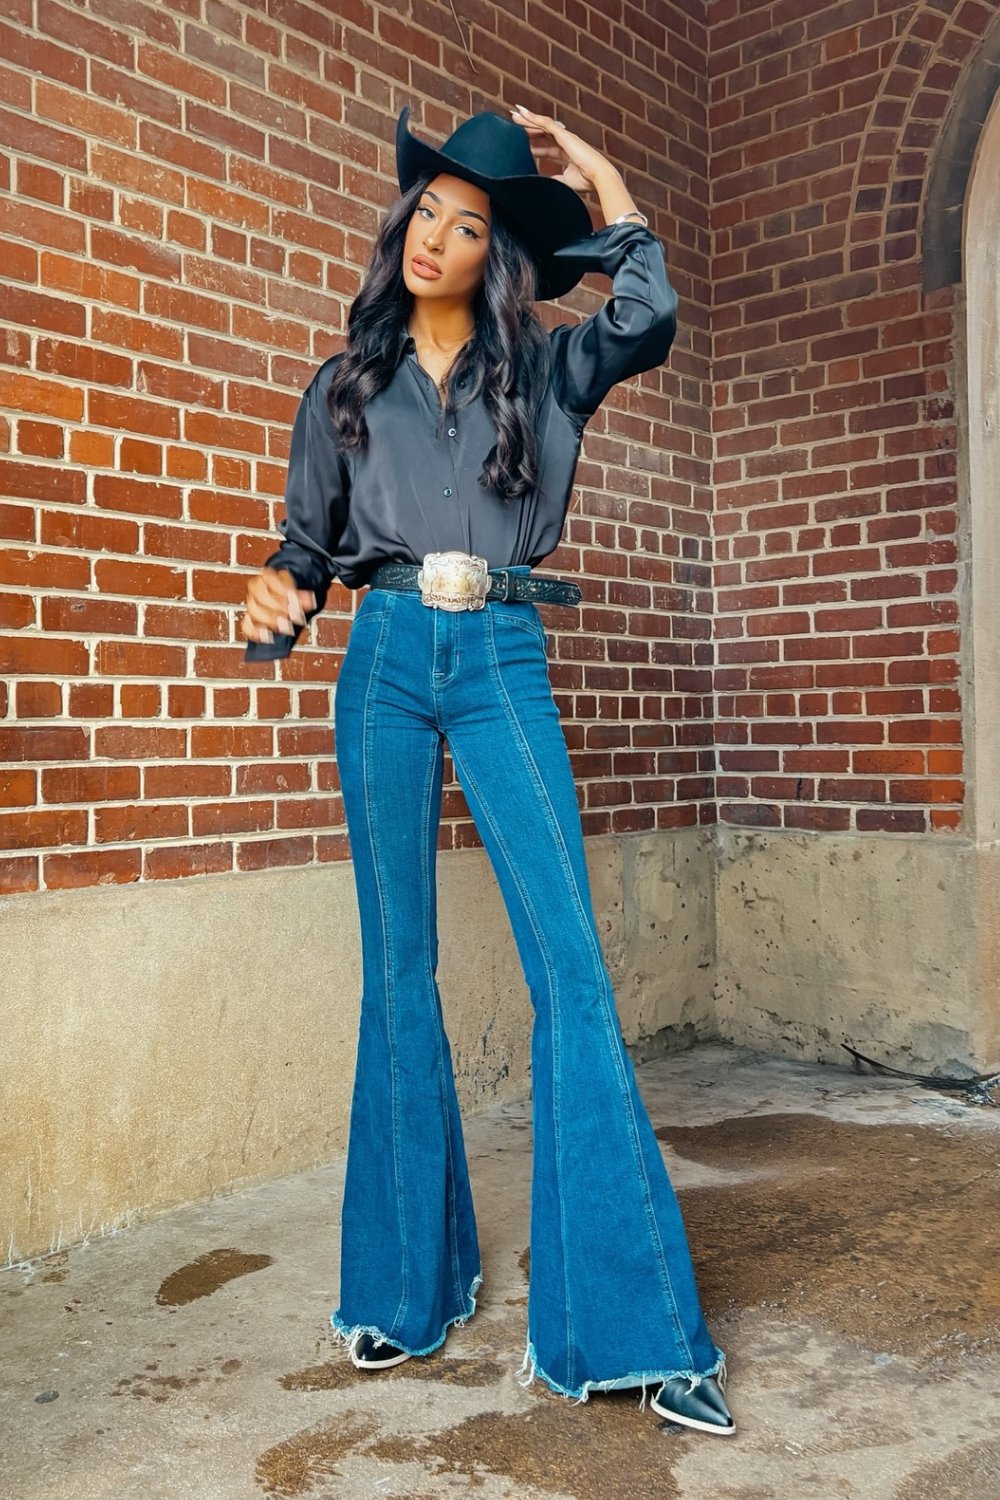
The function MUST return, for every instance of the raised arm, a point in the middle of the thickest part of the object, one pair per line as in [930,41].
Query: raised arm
[632,332]
[635,328]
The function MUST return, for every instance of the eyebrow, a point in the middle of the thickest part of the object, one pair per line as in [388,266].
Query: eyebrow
[468,212]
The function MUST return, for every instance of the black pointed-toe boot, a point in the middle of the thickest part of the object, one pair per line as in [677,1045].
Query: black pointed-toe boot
[704,1407]
[370,1353]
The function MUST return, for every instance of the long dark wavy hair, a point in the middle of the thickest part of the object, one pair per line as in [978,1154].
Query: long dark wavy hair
[506,360]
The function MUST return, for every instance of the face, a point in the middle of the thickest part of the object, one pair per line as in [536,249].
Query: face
[447,240]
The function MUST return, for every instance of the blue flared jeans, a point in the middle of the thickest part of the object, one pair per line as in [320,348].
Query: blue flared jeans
[612,1298]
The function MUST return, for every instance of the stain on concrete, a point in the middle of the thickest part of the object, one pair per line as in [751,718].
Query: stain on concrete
[604,1447]
[969,1471]
[202,1277]
[46,1268]
[883,1233]
[296,1465]
[160,1388]
[336,1375]
[524,1261]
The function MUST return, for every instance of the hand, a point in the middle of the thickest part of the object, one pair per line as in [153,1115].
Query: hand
[550,140]
[274,603]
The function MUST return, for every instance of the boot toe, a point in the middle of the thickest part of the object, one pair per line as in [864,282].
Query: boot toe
[370,1353]
[703,1408]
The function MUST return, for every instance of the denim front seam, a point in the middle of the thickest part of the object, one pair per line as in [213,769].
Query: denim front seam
[613,1301]
[390,1020]
[598,958]
[586,927]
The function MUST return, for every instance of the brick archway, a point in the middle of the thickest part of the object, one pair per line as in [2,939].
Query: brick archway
[952,165]
[916,152]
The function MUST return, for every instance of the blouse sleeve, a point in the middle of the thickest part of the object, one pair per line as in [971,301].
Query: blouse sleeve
[317,493]
[631,333]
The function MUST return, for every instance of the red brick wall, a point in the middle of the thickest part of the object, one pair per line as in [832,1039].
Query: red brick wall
[837,546]
[190,188]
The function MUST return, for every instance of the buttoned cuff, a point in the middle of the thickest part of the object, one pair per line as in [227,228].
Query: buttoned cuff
[605,249]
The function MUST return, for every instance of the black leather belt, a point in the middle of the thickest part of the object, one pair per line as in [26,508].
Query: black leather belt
[504,585]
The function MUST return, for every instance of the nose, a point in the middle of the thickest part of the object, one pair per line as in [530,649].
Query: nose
[432,236]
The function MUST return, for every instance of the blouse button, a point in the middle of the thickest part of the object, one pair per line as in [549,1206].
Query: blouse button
[447,492]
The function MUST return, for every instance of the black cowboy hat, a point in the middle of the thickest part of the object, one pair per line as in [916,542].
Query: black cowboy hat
[494,154]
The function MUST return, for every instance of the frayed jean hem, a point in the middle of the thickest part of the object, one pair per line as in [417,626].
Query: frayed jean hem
[531,1368]
[349,1334]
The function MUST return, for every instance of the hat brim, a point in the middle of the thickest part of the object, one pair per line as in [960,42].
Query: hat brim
[544,214]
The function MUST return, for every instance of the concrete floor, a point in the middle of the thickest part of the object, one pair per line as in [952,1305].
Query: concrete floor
[844,1233]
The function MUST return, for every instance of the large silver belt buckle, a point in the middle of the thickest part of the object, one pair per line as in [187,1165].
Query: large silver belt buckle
[453,580]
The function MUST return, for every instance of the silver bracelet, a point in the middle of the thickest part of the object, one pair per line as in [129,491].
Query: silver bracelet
[633,214]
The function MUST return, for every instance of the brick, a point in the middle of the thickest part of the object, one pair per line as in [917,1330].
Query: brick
[90,783]
[91,867]
[818,818]
[18,875]
[139,334]
[177,861]
[36,310]
[138,743]
[271,854]
[125,249]
[89,615]
[41,654]
[27,133]
[114,825]
[182,622]
[231,817]
[186,781]
[40,439]
[18,788]
[91,700]
[85,114]
[890,820]
[139,578]
[25,393]
[39,830]
[310,812]
[273,779]
[141,700]
[139,659]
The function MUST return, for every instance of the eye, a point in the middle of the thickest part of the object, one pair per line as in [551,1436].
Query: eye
[470,232]
[423,208]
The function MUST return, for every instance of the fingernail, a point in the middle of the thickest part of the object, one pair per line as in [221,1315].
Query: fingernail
[285,626]
[266,636]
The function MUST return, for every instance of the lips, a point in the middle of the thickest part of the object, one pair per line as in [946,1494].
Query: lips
[426,268]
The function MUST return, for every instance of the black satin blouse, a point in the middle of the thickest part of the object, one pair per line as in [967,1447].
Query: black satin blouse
[416,488]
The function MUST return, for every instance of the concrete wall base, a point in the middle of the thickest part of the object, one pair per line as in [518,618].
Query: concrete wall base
[889,943]
[167,1041]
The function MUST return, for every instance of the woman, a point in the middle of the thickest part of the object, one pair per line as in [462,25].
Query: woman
[433,461]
